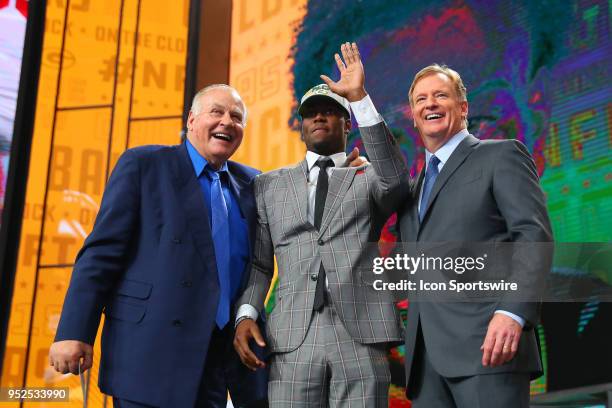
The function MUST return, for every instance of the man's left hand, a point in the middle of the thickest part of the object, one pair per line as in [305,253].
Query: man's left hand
[501,342]
[351,84]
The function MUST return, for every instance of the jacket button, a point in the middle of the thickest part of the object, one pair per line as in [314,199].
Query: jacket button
[320,242]
[186,284]
[177,322]
[314,276]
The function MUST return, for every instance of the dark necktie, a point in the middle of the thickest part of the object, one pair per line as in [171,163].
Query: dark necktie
[320,195]
[430,178]
[221,241]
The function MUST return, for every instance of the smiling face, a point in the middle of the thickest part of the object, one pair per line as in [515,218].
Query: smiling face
[325,128]
[438,111]
[215,128]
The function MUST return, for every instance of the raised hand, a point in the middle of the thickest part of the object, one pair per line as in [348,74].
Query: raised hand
[351,84]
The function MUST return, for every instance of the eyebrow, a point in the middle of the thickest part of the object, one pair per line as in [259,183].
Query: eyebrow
[218,106]
[434,91]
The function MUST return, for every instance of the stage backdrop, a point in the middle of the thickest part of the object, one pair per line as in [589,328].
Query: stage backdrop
[112,77]
[536,71]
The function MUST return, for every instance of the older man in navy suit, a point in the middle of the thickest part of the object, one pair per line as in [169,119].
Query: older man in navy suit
[165,261]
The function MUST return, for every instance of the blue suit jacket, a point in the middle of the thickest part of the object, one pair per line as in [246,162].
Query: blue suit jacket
[149,265]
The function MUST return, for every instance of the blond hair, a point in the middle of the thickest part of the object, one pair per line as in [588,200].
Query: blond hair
[453,75]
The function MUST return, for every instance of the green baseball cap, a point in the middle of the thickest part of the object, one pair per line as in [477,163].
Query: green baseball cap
[320,92]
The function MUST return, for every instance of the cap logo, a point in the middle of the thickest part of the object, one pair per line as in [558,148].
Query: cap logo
[321,89]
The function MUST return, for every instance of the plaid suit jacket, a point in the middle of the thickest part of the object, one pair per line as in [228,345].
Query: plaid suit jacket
[358,203]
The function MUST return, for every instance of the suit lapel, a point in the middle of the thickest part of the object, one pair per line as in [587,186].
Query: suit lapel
[190,196]
[455,160]
[416,194]
[239,188]
[339,183]
[243,192]
[244,198]
[298,180]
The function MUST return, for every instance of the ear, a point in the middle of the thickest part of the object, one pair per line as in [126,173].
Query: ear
[464,110]
[190,120]
[347,126]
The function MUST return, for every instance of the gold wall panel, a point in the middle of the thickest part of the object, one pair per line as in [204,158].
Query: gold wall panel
[160,59]
[76,182]
[89,53]
[160,131]
[260,68]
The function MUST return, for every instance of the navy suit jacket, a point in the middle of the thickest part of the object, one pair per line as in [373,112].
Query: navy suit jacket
[149,266]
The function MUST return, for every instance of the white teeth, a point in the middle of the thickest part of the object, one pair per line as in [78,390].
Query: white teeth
[433,116]
[222,136]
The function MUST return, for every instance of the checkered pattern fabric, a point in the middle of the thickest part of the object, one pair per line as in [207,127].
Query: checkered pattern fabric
[357,205]
[330,369]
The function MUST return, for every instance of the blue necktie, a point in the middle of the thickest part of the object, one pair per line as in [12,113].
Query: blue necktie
[220,235]
[430,178]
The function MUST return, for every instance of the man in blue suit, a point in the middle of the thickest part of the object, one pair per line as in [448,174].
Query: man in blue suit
[165,261]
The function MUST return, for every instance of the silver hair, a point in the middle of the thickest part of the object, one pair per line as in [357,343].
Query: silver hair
[196,108]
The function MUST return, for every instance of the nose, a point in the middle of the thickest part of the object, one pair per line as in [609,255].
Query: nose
[320,117]
[431,102]
[226,119]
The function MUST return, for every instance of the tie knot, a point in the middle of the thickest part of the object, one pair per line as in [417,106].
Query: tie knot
[324,163]
[214,174]
[434,161]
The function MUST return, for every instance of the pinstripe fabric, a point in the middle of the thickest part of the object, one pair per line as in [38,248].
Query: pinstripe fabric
[359,201]
[331,367]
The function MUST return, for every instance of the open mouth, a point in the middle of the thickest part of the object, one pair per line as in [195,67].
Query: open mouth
[434,116]
[222,136]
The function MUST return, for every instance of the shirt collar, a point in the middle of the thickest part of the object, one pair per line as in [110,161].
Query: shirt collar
[198,161]
[337,158]
[448,148]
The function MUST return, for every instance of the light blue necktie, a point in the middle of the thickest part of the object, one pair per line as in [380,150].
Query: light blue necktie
[220,235]
[430,178]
